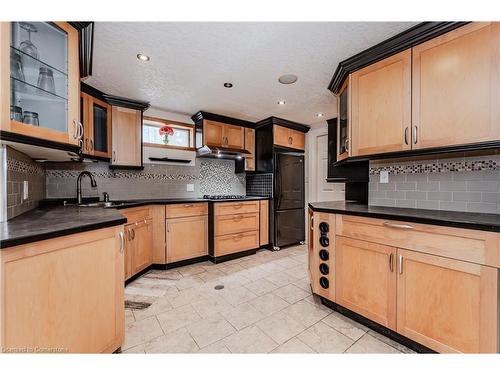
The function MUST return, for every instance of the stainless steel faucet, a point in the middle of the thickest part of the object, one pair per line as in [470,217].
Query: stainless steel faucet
[79,184]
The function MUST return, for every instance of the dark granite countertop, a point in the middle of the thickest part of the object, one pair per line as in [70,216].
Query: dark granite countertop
[53,219]
[468,220]
[44,223]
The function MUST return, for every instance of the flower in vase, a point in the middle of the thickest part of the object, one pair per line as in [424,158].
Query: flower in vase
[165,132]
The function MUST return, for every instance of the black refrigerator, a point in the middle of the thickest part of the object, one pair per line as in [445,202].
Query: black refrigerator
[289,199]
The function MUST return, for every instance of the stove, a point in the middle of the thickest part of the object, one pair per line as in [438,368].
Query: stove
[222,197]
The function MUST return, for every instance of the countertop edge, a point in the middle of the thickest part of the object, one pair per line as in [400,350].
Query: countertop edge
[414,219]
[4,244]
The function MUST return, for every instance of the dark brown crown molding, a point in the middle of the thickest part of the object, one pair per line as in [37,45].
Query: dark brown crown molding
[127,103]
[282,122]
[404,40]
[202,115]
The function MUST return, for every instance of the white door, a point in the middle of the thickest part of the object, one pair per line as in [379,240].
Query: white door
[321,189]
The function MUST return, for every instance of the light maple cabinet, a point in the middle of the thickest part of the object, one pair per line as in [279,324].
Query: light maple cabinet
[446,304]
[186,231]
[95,115]
[138,239]
[381,106]
[365,279]
[218,134]
[65,293]
[126,132]
[287,137]
[456,87]
[39,78]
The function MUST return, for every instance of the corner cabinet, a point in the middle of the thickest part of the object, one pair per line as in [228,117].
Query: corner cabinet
[343,129]
[126,133]
[39,81]
[223,135]
[456,87]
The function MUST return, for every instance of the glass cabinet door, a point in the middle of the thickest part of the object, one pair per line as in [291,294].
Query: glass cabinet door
[41,67]
[101,129]
[343,125]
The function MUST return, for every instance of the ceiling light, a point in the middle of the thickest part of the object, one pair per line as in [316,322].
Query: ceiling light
[142,57]
[319,114]
[287,79]
[281,102]
[228,85]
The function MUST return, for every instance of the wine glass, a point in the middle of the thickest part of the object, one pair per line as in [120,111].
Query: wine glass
[27,46]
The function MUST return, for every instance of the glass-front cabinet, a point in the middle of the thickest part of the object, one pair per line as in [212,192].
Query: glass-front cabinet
[43,80]
[343,123]
[96,119]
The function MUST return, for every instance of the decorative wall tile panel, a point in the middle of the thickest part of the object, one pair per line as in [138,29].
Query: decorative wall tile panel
[260,184]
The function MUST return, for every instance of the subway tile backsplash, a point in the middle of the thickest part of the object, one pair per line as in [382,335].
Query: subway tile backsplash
[155,181]
[21,168]
[463,183]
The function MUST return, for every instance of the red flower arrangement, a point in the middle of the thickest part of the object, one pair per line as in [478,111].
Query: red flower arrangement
[166,131]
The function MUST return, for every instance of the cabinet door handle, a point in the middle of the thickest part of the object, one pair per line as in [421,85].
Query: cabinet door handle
[114,156]
[290,140]
[400,264]
[406,135]
[397,226]
[168,227]
[77,129]
[86,144]
[81,130]
[91,145]
[415,134]
[133,233]
[391,262]
[346,145]
[312,222]
[122,242]
[129,234]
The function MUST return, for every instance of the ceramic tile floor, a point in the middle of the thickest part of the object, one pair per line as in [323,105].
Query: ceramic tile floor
[266,306]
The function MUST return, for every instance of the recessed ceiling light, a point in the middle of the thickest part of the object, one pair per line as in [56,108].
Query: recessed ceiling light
[287,79]
[319,114]
[142,57]
[281,102]
[228,85]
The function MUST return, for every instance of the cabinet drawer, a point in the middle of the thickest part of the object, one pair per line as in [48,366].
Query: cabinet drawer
[233,243]
[227,224]
[228,208]
[462,244]
[186,210]
[136,214]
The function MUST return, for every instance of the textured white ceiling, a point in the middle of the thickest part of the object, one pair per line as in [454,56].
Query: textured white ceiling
[191,61]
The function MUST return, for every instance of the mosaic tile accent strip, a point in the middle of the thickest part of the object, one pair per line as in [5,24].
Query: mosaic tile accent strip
[155,181]
[439,166]
[467,183]
[24,166]
[260,184]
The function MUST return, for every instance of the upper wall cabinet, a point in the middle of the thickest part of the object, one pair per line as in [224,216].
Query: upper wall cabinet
[344,110]
[287,137]
[127,137]
[39,80]
[95,116]
[381,106]
[456,87]
[216,133]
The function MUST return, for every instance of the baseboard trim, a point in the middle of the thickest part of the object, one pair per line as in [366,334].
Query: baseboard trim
[415,346]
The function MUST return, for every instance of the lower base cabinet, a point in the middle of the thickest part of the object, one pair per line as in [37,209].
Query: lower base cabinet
[187,238]
[64,295]
[447,305]
[366,279]
[450,305]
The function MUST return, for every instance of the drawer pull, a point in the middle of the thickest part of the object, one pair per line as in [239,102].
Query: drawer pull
[237,217]
[397,226]
[237,237]
[400,264]
[188,205]
[391,262]
[122,242]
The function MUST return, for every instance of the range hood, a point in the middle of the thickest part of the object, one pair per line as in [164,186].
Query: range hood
[221,153]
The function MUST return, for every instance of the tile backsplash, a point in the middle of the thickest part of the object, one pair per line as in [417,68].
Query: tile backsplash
[21,168]
[260,184]
[155,181]
[463,183]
